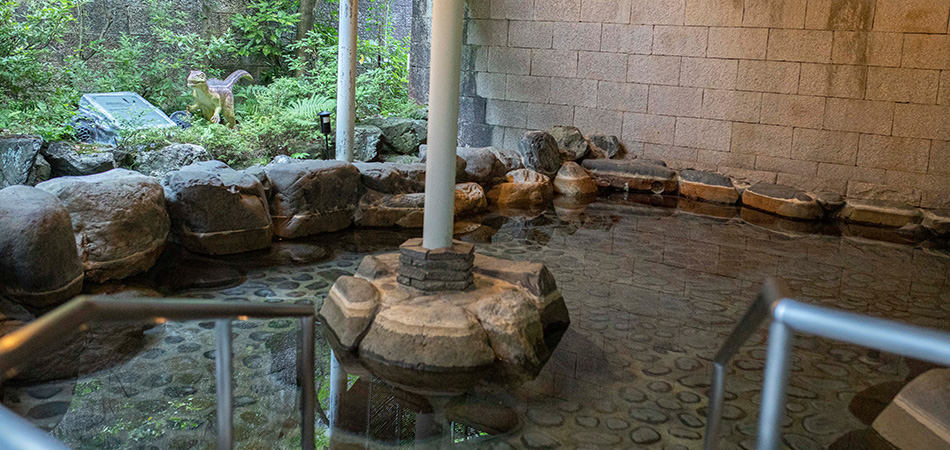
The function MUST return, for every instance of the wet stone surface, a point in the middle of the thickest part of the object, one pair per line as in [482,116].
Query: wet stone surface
[652,293]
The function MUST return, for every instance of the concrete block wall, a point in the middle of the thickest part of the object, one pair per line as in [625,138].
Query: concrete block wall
[851,96]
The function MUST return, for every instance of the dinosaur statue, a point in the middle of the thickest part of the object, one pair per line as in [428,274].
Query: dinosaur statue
[214,97]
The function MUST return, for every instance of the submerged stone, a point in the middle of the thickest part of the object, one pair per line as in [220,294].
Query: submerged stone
[708,186]
[879,213]
[635,175]
[783,201]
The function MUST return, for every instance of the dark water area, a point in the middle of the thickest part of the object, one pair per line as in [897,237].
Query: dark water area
[653,288]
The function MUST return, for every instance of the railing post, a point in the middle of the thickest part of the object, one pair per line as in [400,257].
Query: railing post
[306,368]
[714,415]
[223,391]
[777,361]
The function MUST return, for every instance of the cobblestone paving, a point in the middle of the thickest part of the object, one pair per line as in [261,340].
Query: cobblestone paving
[652,293]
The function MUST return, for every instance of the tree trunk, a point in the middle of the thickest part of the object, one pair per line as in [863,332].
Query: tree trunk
[304,27]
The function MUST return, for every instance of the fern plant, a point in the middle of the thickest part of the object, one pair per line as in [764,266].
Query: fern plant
[306,111]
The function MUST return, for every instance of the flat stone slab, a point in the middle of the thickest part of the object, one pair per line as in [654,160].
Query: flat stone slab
[919,417]
[708,186]
[393,178]
[782,201]
[632,175]
[349,309]
[880,213]
[937,221]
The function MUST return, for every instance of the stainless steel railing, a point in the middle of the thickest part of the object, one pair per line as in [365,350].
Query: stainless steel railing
[19,347]
[788,317]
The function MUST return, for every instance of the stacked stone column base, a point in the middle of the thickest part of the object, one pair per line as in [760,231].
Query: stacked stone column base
[445,269]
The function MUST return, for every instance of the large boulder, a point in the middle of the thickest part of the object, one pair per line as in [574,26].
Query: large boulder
[68,159]
[481,165]
[570,142]
[40,172]
[158,163]
[119,221]
[366,142]
[539,152]
[400,135]
[573,180]
[312,197]
[524,189]
[635,175]
[39,264]
[18,155]
[385,210]
[469,198]
[708,187]
[509,158]
[393,178]
[782,201]
[460,162]
[216,210]
[604,147]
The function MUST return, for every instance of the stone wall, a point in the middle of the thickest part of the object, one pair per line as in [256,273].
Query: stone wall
[851,96]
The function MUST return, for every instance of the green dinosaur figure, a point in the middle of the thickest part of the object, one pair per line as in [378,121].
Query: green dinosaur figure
[214,97]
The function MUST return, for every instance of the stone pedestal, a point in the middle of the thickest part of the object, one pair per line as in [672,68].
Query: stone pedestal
[445,269]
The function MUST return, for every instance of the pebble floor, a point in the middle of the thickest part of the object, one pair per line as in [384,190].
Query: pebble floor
[652,293]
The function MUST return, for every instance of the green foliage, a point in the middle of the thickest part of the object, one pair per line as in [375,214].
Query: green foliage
[27,41]
[266,30]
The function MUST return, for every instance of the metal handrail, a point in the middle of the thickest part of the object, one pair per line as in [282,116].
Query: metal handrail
[790,316]
[44,333]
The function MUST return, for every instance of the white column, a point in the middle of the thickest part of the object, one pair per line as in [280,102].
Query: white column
[346,81]
[444,73]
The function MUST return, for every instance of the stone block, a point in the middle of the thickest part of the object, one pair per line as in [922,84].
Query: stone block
[528,89]
[863,48]
[912,16]
[736,106]
[728,159]
[894,153]
[676,156]
[902,85]
[649,128]
[737,43]
[800,45]
[708,187]
[943,96]
[515,61]
[786,165]
[651,69]
[768,76]
[727,13]
[860,116]
[793,110]
[879,213]
[554,63]
[658,12]
[577,36]
[675,101]
[555,10]
[836,147]
[833,80]
[632,175]
[774,14]
[349,309]
[544,116]
[487,32]
[615,96]
[926,51]
[530,34]
[491,85]
[605,11]
[783,201]
[840,15]
[602,66]
[601,121]
[765,140]
[679,40]
[937,221]
[922,121]
[881,192]
[919,415]
[939,158]
[574,92]
[709,73]
[631,39]
[703,133]
[505,113]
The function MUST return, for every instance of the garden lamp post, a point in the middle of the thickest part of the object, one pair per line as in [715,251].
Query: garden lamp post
[325,129]
[444,74]
[346,81]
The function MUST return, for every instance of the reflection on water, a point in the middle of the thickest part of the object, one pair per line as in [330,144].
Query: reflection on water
[652,291]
